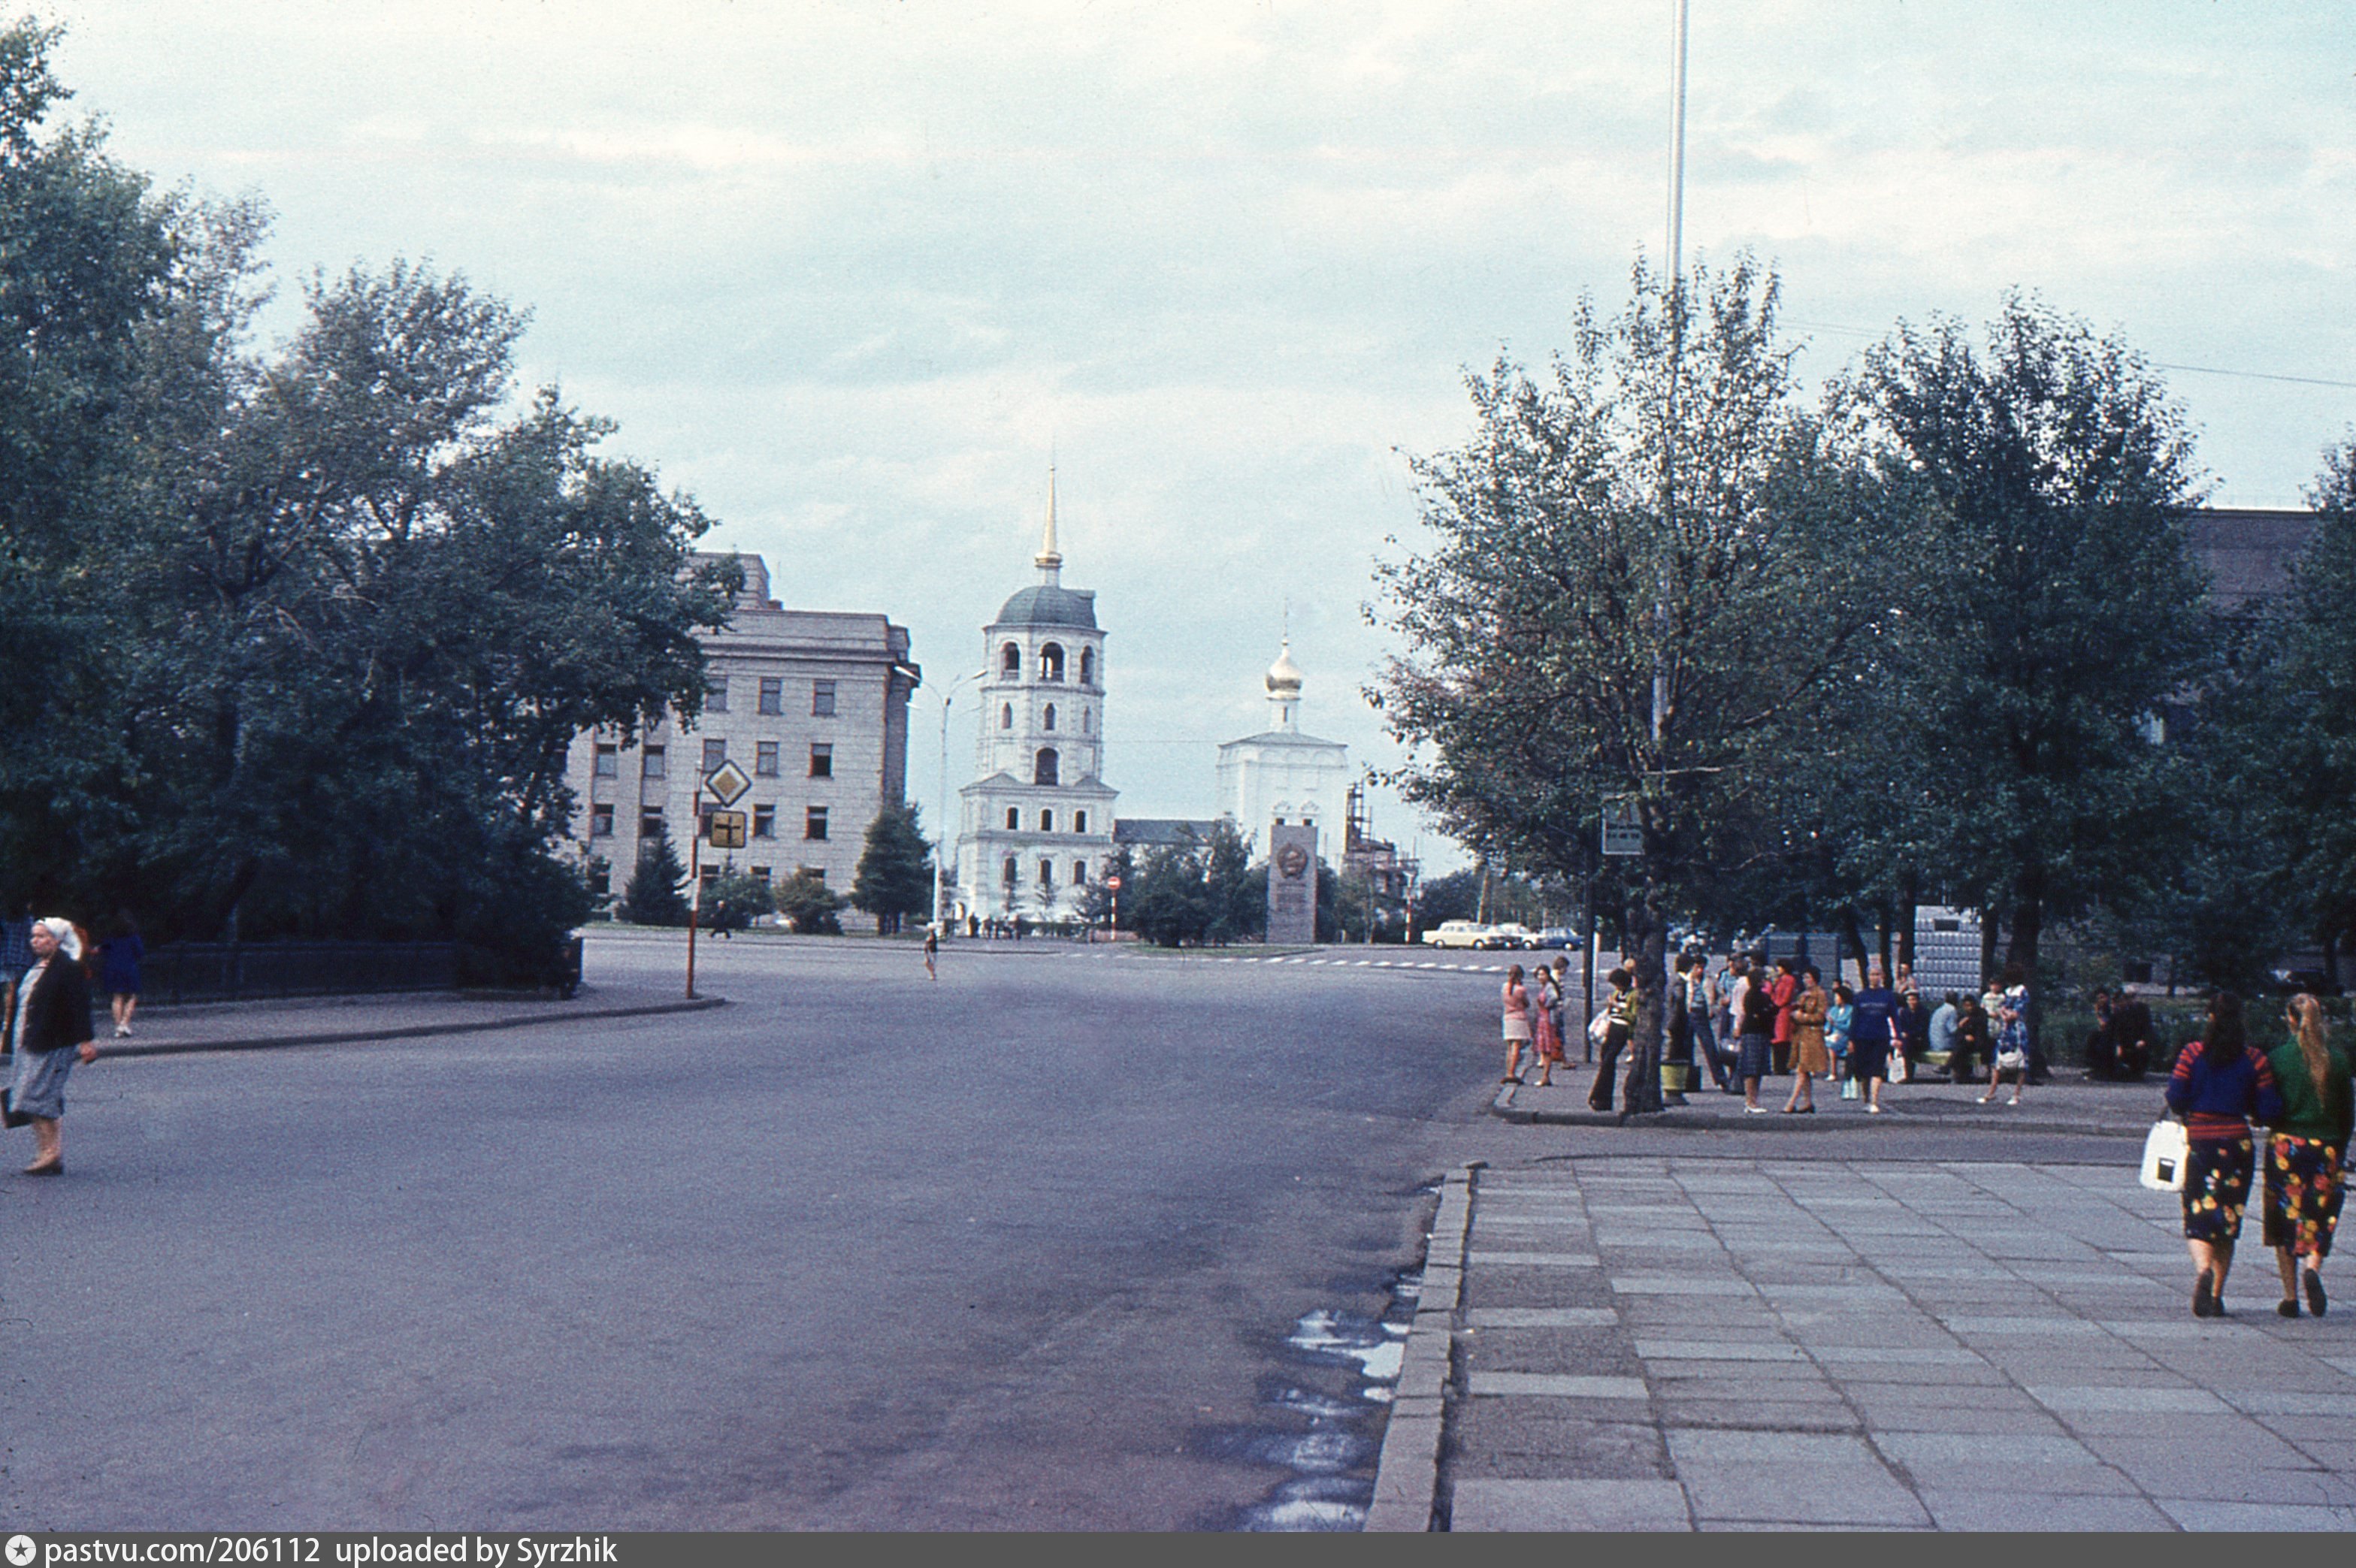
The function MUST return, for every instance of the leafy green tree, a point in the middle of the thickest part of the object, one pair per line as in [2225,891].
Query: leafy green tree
[1172,906]
[809,906]
[1646,577]
[746,897]
[896,869]
[2048,473]
[1456,896]
[653,895]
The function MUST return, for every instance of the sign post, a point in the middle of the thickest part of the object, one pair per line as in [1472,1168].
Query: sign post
[1114,884]
[727,783]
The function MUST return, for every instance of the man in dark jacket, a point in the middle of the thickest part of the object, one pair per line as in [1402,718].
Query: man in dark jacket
[2131,1035]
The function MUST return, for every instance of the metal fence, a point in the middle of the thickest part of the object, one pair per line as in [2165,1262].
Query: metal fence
[224,971]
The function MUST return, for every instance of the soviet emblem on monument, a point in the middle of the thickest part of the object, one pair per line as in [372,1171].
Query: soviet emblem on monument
[1292,862]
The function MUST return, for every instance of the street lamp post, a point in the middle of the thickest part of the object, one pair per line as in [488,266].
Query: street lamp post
[941,822]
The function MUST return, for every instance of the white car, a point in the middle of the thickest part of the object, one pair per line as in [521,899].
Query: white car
[1457,934]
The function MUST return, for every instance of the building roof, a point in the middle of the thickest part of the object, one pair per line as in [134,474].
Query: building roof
[2247,551]
[1048,604]
[1293,739]
[1160,832]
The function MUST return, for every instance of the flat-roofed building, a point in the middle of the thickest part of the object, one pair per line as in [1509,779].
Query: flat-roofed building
[811,704]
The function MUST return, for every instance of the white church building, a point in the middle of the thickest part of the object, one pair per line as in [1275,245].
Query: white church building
[1281,775]
[1035,825]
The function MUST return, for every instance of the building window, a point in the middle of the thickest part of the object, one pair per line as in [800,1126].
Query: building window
[1051,662]
[1044,769]
[609,762]
[714,754]
[1046,876]
[1046,822]
[600,822]
[821,699]
[764,822]
[650,822]
[1079,822]
[715,700]
[765,759]
[653,764]
[821,760]
[1079,873]
[1050,722]
[773,694]
[816,871]
[814,823]
[761,873]
[1088,721]
[703,822]
[601,876]
[1006,716]
[711,874]
[1013,817]
[1009,661]
[1087,667]
[1007,871]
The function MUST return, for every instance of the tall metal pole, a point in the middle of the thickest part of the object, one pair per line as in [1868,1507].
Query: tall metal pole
[694,877]
[1676,345]
[941,823]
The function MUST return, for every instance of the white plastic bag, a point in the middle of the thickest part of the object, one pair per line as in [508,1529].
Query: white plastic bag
[2165,1150]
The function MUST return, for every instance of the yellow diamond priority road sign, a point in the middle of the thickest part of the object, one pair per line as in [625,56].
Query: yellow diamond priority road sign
[727,783]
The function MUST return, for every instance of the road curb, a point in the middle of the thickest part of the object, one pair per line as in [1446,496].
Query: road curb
[1406,1477]
[410,1031]
[1504,1108]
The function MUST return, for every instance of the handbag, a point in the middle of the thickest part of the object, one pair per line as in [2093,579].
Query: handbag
[2166,1149]
[1599,1027]
[2011,1059]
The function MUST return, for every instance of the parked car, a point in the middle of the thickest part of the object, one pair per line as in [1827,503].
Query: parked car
[1554,936]
[1457,934]
[1513,934]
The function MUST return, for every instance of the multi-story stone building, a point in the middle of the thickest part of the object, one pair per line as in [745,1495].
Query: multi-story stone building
[1037,826]
[812,705]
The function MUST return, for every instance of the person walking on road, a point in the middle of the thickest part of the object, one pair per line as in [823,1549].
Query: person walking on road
[2302,1171]
[1810,1060]
[1621,1012]
[2010,1020]
[1756,1053]
[1517,1024]
[1872,1036]
[932,951]
[2217,1088]
[53,1029]
[118,960]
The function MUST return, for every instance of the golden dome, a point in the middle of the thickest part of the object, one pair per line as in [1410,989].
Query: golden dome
[1284,675]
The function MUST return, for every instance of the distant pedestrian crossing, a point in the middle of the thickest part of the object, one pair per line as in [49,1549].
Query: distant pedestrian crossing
[1305,960]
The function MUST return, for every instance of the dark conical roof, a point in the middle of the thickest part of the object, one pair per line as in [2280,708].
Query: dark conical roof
[1045,604]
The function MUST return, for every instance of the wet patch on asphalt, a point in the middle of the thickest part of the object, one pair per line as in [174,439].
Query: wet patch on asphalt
[1324,1417]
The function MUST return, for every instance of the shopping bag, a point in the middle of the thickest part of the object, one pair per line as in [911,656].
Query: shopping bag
[2165,1150]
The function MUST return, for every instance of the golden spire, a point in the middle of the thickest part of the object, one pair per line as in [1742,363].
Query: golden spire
[1049,558]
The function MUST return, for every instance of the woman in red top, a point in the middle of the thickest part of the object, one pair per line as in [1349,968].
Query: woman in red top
[2217,1088]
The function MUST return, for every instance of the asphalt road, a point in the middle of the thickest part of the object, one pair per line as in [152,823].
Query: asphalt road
[1022,1249]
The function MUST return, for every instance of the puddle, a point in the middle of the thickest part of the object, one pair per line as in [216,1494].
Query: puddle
[1332,1460]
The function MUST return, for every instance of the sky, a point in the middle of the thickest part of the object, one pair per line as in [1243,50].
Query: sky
[851,273]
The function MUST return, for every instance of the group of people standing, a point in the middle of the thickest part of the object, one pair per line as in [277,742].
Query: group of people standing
[1747,1021]
[2301,1094]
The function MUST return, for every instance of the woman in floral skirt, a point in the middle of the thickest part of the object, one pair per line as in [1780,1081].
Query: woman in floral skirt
[2217,1087]
[2303,1190]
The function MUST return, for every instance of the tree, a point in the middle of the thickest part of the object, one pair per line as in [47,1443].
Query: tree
[747,897]
[896,869]
[1658,510]
[2048,477]
[336,615]
[809,906]
[652,895]
[1456,896]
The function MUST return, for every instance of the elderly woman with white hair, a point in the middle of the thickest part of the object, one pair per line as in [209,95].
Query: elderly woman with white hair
[53,1027]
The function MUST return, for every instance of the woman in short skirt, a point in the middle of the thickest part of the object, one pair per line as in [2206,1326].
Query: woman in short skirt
[2303,1187]
[2217,1088]
[1516,1019]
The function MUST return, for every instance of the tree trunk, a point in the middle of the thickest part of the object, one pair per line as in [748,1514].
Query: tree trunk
[1648,934]
[1855,939]
[1909,894]
[2331,958]
[1989,925]
[1587,967]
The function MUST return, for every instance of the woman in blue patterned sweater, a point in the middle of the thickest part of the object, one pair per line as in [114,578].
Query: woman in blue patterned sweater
[2217,1087]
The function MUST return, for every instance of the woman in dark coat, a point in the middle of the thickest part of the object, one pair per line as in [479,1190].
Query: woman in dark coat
[53,1027]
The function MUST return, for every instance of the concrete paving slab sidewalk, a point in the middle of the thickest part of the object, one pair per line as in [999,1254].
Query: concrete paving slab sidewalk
[1681,1388]
[338,1020]
[2069,1104]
